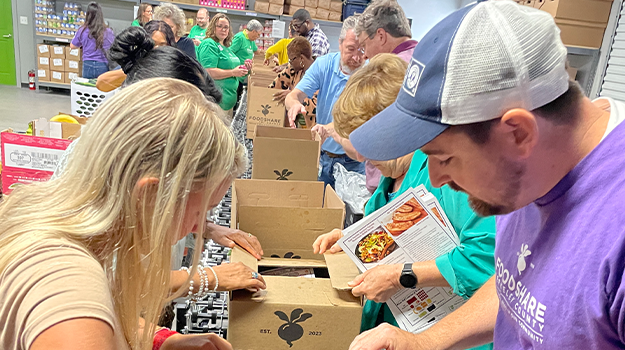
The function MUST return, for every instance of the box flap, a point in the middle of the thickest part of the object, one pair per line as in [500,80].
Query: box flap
[342,270]
[282,262]
[239,254]
[332,200]
[271,193]
[283,133]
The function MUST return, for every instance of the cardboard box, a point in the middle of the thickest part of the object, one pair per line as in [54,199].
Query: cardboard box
[300,3]
[27,159]
[277,2]
[335,16]
[73,66]
[57,77]
[312,11]
[336,6]
[285,154]
[294,312]
[43,62]
[57,130]
[286,216]
[261,6]
[324,4]
[57,51]
[261,110]
[43,50]
[43,74]
[291,9]
[597,11]
[311,3]
[322,14]
[585,34]
[57,64]
[275,9]
[69,76]
[73,54]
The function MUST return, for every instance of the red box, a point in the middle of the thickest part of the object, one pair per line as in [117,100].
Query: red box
[27,159]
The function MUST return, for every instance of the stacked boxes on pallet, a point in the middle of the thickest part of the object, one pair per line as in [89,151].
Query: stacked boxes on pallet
[58,63]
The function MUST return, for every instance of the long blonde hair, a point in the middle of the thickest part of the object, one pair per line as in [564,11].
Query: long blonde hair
[157,128]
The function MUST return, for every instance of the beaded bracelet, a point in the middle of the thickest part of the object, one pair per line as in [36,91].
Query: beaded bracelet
[190,293]
[216,279]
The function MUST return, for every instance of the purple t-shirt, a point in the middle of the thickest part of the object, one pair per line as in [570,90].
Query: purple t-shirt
[89,51]
[560,260]
[405,50]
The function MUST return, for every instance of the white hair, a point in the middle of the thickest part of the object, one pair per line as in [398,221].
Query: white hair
[349,23]
[254,25]
[174,13]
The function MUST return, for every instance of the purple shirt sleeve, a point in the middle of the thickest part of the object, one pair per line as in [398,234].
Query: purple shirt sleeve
[109,37]
[77,41]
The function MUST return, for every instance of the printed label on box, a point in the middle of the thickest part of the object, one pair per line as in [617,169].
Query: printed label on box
[73,64]
[41,73]
[57,75]
[58,50]
[43,48]
[44,60]
[57,62]
[74,52]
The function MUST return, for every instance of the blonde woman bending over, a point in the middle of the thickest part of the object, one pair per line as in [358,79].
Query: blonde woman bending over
[84,259]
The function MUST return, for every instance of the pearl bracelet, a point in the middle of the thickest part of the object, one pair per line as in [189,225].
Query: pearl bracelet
[190,293]
[216,279]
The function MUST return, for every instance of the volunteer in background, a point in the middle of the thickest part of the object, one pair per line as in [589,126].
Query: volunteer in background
[304,25]
[86,269]
[465,268]
[383,27]
[279,49]
[244,42]
[174,16]
[95,38]
[161,35]
[328,74]
[508,127]
[144,15]
[220,62]
[300,59]
[198,31]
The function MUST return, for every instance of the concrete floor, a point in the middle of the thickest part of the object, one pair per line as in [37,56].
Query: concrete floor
[19,106]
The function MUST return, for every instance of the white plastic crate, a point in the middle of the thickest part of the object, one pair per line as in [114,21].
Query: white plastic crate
[86,99]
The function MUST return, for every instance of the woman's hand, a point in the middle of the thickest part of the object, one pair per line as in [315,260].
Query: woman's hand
[207,341]
[378,284]
[228,237]
[266,62]
[239,72]
[249,64]
[328,240]
[235,276]
[281,96]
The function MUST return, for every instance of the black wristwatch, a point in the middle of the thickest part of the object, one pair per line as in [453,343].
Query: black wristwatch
[408,279]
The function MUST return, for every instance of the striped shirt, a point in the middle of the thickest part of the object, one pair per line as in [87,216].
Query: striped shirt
[319,41]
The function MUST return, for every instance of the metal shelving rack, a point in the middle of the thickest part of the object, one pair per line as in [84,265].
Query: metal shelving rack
[585,60]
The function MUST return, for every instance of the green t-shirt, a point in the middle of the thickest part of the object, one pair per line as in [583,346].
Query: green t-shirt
[212,54]
[135,23]
[243,47]
[197,33]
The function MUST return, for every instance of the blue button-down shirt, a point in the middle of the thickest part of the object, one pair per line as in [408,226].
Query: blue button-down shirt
[326,76]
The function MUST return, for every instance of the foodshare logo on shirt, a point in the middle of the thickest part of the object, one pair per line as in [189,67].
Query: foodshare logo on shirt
[516,299]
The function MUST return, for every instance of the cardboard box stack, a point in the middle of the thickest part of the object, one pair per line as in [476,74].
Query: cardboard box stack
[226,4]
[273,7]
[64,24]
[327,10]
[58,63]
[581,22]
[294,312]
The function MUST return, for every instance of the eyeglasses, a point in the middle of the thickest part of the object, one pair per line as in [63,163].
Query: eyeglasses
[291,60]
[362,46]
[219,26]
[297,26]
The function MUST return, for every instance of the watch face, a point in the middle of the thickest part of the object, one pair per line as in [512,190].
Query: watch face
[408,280]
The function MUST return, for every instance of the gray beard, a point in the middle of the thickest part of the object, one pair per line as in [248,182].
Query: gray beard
[348,71]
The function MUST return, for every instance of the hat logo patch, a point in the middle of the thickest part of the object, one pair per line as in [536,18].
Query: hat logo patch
[411,82]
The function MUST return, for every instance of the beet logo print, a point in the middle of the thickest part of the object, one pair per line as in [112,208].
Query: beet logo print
[291,330]
[284,175]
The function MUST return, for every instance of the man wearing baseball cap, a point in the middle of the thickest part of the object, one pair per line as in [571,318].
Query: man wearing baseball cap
[488,99]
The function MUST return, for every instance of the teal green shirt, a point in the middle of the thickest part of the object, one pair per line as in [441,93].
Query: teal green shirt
[243,47]
[212,54]
[135,23]
[467,267]
[197,33]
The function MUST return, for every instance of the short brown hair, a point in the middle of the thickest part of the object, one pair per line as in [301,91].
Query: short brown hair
[563,110]
[212,28]
[300,46]
[368,91]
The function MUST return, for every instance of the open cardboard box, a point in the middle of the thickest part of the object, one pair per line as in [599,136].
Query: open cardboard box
[285,154]
[261,110]
[286,216]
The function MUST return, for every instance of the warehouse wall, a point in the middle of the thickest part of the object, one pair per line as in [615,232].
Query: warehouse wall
[426,13]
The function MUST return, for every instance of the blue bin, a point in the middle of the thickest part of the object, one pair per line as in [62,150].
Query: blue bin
[352,7]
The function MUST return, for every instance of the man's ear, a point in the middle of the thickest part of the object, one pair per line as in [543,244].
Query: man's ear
[381,33]
[522,127]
